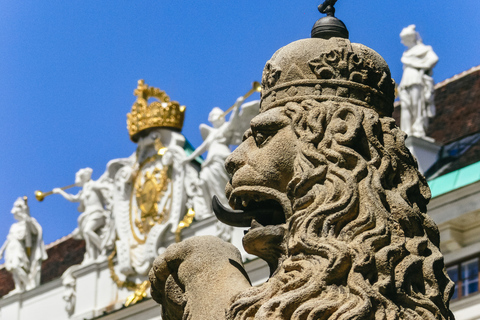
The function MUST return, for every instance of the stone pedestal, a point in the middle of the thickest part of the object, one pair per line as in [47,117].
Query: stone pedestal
[424,149]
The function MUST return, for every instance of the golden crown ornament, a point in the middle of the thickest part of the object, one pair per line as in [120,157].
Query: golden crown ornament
[158,114]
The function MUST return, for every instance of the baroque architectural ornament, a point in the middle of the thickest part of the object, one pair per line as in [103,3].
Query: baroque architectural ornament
[162,113]
[334,202]
[153,189]
[149,188]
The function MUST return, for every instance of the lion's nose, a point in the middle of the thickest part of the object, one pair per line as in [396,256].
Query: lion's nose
[235,160]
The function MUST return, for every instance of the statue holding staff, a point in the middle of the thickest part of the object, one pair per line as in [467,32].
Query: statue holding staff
[24,249]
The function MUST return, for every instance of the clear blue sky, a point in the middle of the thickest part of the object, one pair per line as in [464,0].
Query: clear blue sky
[68,70]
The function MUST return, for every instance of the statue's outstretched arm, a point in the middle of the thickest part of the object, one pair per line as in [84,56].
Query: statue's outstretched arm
[234,117]
[68,196]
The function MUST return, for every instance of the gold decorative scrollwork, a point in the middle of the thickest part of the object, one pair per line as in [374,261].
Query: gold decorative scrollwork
[139,294]
[139,290]
[185,223]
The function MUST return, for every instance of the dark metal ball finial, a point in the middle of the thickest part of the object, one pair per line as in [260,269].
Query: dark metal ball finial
[329,26]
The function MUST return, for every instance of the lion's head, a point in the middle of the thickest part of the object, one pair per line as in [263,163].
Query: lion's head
[336,204]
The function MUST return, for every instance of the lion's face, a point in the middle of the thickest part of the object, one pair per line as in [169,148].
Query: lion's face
[261,168]
[332,219]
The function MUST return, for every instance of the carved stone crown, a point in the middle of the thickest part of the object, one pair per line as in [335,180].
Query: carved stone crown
[162,113]
[332,69]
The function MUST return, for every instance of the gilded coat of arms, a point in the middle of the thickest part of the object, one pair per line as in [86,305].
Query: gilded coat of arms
[150,201]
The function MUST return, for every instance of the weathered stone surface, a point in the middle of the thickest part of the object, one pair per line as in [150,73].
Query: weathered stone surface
[334,199]
[196,278]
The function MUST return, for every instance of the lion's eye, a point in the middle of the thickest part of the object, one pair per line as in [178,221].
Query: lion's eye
[247,134]
[261,137]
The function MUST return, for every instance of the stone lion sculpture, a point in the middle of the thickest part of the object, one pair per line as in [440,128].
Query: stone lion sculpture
[333,199]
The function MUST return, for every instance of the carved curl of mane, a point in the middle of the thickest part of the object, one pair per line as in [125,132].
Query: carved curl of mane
[359,244]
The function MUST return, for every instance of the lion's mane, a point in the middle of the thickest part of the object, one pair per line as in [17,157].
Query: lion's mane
[359,244]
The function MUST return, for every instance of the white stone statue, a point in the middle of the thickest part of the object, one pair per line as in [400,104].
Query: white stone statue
[24,249]
[217,140]
[416,87]
[94,224]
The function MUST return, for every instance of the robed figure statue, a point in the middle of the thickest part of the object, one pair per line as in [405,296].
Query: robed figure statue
[24,249]
[416,88]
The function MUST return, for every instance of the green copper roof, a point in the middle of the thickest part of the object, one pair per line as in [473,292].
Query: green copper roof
[189,150]
[455,180]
